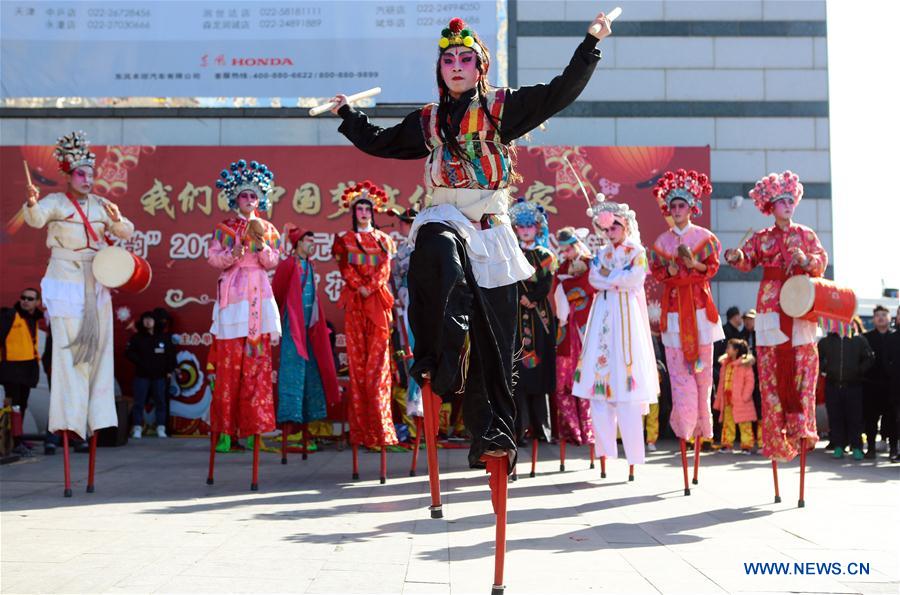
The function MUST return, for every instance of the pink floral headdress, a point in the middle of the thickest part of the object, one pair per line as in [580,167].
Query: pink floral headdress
[775,187]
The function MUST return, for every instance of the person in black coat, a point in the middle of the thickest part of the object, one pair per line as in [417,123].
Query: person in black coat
[877,403]
[152,353]
[844,361]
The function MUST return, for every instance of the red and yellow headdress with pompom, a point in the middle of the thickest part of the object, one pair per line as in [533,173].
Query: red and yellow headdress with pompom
[689,186]
[457,33]
[365,190]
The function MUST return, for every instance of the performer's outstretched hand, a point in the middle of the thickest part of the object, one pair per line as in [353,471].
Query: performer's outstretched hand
[339,100]
[112,209]
[732,255]
[603,30]
[238,250]
[33,195]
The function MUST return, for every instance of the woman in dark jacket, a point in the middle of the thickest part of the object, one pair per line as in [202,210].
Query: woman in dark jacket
[152,353]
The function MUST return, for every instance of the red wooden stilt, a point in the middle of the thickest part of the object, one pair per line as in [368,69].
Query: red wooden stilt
[775,477]
[284,437]
[416,443]
[355,449]
[431,405]
[254,485]
[534,447]
[383,477]
[684,466]
[562,454]
[305,429]
[213,440]
[801,502]
[92,463]
[630,472]
[67,492]
[498,480]
[591,448]
[697,441]
[602,467]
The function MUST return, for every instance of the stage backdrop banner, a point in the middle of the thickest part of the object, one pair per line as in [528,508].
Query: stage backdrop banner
[169,193]
[231,54]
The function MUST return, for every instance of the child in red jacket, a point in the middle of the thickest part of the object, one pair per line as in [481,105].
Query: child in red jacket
[734,395]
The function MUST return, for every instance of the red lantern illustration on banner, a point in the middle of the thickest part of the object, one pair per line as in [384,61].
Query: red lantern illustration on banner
[640,166]
[43,166]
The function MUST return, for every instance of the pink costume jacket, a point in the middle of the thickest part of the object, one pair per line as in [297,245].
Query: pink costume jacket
[245,305]
[689,316]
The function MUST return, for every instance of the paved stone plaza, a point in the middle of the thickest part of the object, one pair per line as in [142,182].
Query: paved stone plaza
[154,526]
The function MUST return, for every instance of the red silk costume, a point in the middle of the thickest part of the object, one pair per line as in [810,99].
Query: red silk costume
[364,261]
[786,347]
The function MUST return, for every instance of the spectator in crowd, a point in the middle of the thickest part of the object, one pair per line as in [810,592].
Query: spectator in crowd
[877,403]
[843,362]
[19,368]
[733,330]
[734,395]
[892,355]
[749,335]
[153,355]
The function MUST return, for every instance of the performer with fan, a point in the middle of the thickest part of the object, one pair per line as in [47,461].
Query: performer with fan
[536,329]
[245,315]
[617,369]
[364,258]
[684,258]
[786,347]
[307,379]
[82,384]
[573,295]
[466,262]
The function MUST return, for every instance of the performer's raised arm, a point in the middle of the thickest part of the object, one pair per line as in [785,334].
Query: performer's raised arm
[402,141]
[526,108]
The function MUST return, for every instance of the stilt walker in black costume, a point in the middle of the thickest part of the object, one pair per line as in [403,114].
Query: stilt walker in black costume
[466,262]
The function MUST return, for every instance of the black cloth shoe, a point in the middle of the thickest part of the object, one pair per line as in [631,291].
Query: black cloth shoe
[870,454]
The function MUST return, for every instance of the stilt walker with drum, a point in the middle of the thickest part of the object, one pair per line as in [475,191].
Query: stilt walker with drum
[786,346]
[245,315]
[466,262]
[364,259]
[684,259]
[82,398]
[307,379]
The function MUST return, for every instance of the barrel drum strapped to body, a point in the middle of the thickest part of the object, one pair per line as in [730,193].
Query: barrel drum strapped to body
[117,268]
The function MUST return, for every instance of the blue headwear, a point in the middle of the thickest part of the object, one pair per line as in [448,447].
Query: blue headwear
[258,178]
[525,214]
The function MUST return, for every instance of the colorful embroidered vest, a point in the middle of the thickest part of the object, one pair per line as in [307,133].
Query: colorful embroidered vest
[487,163]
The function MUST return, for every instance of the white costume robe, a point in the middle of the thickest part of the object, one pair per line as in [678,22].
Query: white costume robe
[81,396]
[617,368]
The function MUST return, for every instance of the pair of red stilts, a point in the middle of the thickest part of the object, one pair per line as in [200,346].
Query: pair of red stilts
[497,468]
[383,477]
[213,441]
[92,462]
[687,490]
[562,460]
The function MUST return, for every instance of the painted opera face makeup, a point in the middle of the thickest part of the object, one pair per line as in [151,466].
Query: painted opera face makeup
[526,233]
[783,209]
[81,180]
[615,233]
[680,211]
[459,70]
[247,202]
[363,211]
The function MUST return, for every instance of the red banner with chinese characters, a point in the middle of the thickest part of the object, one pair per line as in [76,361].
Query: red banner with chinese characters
[169,193]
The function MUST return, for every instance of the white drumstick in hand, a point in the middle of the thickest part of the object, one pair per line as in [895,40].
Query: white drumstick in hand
[613,15]
[321,109]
